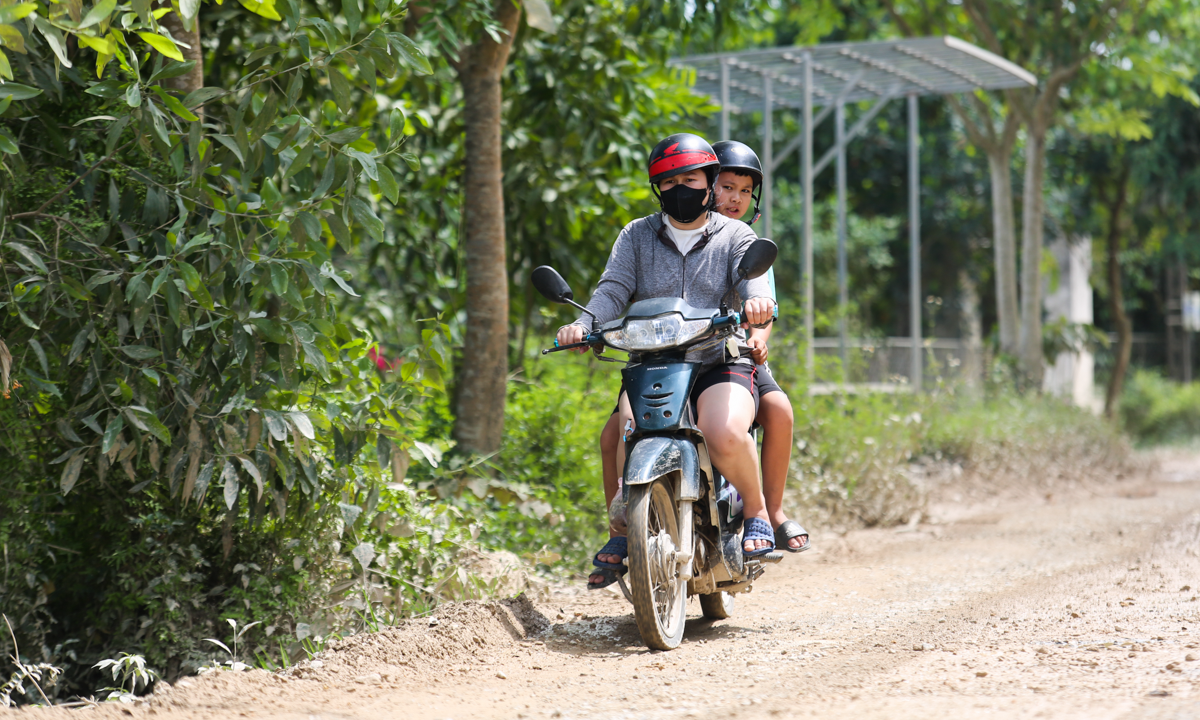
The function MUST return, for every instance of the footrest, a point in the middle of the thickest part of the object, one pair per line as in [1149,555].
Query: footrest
[772,557]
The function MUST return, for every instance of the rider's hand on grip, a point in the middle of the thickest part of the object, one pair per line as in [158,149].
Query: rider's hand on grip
[571,334]
[758,312]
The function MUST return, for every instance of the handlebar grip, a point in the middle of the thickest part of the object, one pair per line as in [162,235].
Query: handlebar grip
[730,320]
[589,340]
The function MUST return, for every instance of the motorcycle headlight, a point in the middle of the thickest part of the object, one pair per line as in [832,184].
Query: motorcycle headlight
[658,333]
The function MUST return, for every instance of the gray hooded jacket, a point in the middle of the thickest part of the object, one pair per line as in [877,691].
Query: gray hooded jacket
[646,264]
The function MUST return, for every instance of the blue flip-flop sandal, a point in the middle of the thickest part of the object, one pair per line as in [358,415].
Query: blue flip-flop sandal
[614,546]
[757,529]
[609,572]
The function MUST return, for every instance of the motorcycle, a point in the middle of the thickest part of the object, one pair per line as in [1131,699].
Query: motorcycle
[684,519]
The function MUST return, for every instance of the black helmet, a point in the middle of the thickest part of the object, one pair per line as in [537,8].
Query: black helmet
[739,158]
[680,153]
[734,155]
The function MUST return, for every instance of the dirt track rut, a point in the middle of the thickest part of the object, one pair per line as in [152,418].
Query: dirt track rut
[1076,605]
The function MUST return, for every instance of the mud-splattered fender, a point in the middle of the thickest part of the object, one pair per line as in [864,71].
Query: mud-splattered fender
[656,457]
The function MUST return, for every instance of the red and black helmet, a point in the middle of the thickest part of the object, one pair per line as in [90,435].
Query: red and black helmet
[680,153]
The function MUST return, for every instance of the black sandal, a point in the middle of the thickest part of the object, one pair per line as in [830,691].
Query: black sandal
[608,577]
[788,530]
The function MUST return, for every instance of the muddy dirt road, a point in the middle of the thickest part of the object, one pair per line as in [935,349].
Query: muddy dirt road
[1083,604]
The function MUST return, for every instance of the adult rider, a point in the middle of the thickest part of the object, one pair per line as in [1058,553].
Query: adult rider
[689,251]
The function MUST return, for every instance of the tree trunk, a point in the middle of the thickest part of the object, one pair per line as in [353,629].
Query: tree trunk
[1004,246]
[971,324]
[194,79]
[482,379]
[1030,358]
[1116,298]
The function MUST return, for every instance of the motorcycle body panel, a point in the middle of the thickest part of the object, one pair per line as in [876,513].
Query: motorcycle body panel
[659,395]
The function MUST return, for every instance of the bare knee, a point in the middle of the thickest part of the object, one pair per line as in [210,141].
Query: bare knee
[723,438]
[775,413]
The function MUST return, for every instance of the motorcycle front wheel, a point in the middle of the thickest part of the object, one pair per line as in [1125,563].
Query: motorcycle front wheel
[659,593]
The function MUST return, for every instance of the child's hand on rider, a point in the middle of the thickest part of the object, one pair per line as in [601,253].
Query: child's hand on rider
[758,349]
[571,334]
[757,311]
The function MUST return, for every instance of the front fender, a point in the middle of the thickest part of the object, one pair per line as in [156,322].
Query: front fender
[655,457]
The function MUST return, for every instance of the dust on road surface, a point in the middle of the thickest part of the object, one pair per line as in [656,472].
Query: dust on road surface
[1082,604]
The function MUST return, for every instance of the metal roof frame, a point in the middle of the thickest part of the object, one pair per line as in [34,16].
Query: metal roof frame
[907,66]
[832,75]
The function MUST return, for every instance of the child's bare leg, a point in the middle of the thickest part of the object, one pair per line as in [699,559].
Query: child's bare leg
[610,442]
[776,418]
[612,449]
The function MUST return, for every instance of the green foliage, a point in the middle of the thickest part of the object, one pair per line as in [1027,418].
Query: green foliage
[1060,336]
[860,459]
[869,259]
[183,394]
[1158,411]
[1019,432]
[552,452]
[851,453]
[125,669]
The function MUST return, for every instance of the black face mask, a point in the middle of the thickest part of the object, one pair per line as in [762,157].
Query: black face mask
[684,204]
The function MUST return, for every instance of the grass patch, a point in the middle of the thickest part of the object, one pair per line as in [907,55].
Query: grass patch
[866,459]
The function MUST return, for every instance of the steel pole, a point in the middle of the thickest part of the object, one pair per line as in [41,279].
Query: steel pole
[806,181]
[914,241]
[724,98]
[768,153]
[843,292]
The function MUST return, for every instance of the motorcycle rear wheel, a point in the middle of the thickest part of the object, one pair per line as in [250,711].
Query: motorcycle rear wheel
[717,606]
[659,592]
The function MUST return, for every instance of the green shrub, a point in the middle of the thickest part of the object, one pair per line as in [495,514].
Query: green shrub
[861,458]
[1155,410]
[191,427]
[1012,438]
[850,455]
[552,447]
[541,496]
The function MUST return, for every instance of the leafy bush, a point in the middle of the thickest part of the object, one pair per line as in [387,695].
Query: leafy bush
[1155,410]
[552,451]
[861,458]
[541,496]
[189,424]
[851,452]
[1025,438]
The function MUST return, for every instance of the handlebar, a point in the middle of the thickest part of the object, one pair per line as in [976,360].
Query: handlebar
[733,319]
[589,340]
[596,340]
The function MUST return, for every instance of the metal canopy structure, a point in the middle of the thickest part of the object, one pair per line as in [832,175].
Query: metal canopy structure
[832,75]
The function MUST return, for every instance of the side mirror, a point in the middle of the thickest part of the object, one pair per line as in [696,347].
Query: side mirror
[551,285]
[757,259]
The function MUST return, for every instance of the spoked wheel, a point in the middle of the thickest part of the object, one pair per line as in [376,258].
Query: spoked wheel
[659,593]
[717,606]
